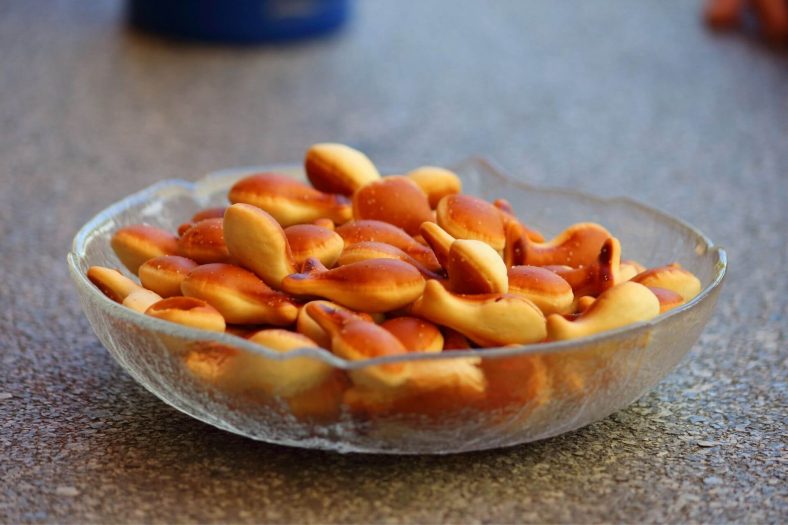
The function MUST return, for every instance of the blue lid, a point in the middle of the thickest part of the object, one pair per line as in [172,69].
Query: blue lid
[238,21]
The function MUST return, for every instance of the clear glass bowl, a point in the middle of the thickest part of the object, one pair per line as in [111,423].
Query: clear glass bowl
[518,394]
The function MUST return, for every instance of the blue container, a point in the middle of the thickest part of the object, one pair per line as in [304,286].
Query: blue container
[238,21]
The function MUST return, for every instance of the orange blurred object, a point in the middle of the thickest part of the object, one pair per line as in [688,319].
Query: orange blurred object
[772,16]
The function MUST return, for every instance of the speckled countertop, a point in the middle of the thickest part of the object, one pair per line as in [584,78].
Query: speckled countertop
[614,97]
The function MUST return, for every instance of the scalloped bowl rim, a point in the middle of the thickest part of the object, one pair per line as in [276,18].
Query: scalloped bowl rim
[146,322]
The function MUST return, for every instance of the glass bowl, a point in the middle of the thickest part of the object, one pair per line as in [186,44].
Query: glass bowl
[470,400]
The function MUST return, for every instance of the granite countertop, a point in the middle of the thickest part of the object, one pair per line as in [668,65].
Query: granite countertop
[613,97]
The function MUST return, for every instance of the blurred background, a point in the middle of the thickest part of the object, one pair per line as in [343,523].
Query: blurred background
[612,97]
[557,92]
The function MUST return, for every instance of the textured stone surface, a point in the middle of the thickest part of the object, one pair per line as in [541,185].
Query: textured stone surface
[613,97]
